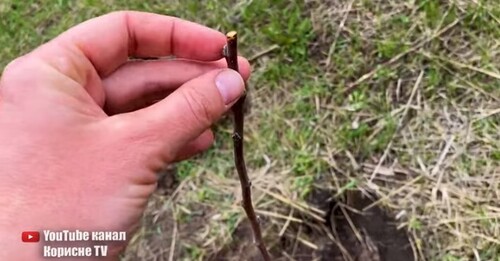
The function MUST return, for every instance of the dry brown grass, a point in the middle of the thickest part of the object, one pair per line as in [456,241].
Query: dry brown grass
[437,173]
[419,128]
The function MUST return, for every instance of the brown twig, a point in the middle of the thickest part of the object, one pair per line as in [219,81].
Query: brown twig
[231,54]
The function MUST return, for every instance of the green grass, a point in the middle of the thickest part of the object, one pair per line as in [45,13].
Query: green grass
[305,132]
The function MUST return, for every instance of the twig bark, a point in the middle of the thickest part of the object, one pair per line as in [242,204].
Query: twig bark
[231,54]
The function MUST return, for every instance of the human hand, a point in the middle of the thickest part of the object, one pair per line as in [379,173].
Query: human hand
[80,142]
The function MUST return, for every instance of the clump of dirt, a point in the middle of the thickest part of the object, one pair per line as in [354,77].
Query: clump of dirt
[370,234]
[167,181]
[349,233]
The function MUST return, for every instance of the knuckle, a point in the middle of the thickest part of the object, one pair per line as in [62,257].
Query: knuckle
[199,106]
[12,72]
[13,67]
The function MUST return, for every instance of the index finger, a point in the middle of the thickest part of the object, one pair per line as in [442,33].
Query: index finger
[109,40]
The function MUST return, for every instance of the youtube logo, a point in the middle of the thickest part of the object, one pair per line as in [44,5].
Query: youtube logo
[30,236]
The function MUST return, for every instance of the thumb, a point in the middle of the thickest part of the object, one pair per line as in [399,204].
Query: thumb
[186,113]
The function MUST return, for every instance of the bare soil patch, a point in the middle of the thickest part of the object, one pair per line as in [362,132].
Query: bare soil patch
[351,234]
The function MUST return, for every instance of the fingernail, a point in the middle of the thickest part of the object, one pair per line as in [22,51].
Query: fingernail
[230,85]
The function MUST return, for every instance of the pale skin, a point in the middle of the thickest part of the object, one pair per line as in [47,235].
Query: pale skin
[80,142]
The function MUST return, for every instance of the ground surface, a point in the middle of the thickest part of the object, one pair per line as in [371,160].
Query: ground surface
[398,101]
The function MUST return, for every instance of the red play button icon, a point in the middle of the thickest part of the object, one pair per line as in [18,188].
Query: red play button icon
[30,236]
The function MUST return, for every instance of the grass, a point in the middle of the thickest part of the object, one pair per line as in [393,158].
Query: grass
[304,131]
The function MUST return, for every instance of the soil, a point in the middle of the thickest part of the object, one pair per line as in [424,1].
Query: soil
[376,237]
